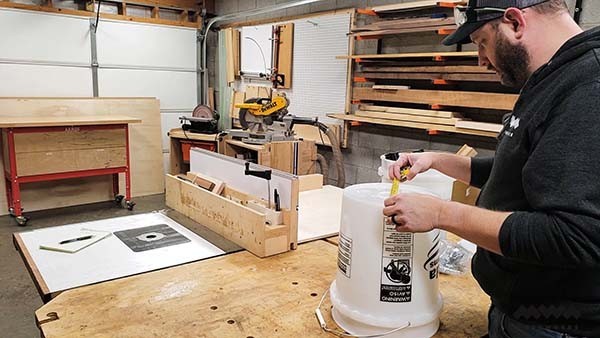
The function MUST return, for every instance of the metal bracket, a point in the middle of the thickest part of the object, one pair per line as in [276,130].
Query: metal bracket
[578,10]
[94,63]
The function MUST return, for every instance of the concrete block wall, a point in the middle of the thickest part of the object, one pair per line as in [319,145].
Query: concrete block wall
[367,142]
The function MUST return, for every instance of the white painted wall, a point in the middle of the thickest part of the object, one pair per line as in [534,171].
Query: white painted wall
[49,55]
[318,78]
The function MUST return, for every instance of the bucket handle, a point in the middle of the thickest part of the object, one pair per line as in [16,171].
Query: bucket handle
[323,324]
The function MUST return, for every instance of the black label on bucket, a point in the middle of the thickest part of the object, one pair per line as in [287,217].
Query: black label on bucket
[345,254]
[396,294]
[396,265]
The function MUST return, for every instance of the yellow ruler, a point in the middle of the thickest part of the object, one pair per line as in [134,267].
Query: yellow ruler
[395,185]
[396,182]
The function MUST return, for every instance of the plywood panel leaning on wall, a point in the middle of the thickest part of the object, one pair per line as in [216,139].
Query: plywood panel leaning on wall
[232,50]
[145,150]
[285,54]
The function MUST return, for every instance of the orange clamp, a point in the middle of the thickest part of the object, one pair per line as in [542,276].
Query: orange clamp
[366,11]
[360,79]
[447,4]
[445,31]
[442,82]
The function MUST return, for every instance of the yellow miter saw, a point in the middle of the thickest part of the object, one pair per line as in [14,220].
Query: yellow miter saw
[264,120]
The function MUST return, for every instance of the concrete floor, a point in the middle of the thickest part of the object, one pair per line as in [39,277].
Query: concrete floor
[19,298]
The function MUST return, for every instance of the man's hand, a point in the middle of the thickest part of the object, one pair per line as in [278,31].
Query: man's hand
[419,162]
[423,213]
[413,212]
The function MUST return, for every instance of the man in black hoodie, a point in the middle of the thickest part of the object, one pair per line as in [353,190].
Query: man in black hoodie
[537,220]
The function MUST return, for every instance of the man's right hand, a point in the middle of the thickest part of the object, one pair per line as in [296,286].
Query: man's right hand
[419,162]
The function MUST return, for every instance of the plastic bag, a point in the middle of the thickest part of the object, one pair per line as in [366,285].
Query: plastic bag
[454,258]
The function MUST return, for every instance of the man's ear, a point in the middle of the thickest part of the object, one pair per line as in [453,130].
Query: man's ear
[514,17]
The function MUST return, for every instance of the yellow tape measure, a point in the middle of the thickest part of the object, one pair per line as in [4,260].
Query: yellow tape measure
[396,182]
[395,185]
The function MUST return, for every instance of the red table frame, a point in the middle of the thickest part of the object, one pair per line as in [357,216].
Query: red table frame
[13,180]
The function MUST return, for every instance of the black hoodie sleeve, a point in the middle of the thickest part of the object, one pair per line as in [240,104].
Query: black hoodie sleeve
[561,181]
[481,167]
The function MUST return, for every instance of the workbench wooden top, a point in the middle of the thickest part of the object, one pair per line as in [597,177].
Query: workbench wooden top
[237,295]
[188,135]
[58,121]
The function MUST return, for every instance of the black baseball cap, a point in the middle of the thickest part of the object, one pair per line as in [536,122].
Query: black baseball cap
[479,12]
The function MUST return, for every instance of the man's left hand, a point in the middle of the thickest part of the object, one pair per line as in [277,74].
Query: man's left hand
[413,212]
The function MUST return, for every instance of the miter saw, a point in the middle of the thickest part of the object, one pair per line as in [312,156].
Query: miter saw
[204,120]
[264,120]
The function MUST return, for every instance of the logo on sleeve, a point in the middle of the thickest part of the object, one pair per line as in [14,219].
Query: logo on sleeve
[513,124]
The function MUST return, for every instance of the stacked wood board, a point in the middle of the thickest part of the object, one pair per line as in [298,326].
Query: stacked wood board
[387,88]
[438,97]
[447,73]
[414,5]
[411,25]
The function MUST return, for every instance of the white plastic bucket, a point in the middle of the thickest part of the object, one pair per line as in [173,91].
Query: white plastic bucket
[432,179]
[385,279]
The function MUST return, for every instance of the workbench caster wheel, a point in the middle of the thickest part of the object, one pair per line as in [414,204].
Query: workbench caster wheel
[21,220]
[11,212]
[130,205]
[119,199]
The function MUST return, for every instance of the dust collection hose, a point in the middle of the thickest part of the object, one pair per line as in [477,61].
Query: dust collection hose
[337,154]
[335,145]
[324,166]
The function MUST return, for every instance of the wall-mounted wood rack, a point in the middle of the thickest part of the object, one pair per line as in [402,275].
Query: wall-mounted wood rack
[410,87]
[187,11]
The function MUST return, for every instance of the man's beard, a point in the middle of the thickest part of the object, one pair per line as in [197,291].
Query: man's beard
[512,62]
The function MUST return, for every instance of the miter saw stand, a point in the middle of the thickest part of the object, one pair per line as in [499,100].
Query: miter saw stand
[267,120]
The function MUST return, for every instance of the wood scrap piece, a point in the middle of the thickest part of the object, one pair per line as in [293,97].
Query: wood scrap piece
[209,183]
[428,69]
[462,192]
[484,126]
[389,87]
[310,182]
[466,150]
[407,117]
[418,112]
